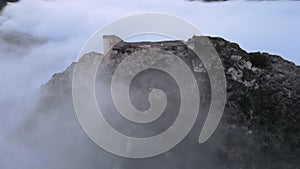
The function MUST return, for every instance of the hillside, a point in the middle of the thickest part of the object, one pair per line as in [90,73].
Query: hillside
[259,129]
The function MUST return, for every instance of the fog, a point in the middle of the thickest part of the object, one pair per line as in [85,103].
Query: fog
[60,33]
[40,38]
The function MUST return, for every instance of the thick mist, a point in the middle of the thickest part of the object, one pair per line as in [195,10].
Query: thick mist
[40,38]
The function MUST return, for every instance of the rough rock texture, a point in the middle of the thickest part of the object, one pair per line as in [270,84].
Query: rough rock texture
[260,126]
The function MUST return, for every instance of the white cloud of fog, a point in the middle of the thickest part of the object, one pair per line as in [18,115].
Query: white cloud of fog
[65,26]
[61,28]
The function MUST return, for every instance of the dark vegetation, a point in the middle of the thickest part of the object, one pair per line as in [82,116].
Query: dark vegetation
[259,60]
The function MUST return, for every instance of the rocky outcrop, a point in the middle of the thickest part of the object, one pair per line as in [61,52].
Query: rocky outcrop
[260,126]
[3,3]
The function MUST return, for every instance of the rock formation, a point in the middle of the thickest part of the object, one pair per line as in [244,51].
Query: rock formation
[3,3]
[259,129]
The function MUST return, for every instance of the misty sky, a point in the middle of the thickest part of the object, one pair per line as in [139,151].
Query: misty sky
[59,29]
[39,38]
